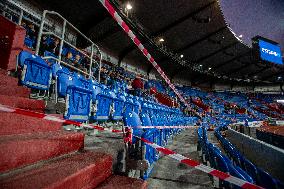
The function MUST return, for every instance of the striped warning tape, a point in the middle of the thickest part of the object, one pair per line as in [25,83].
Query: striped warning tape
[167,127]
[19,111]
[5,108]
[141,47]
[192,163]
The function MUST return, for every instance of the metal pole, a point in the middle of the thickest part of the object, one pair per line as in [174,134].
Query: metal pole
[100,65]
[40,32]
[21,17]
[91,60]
[62,39]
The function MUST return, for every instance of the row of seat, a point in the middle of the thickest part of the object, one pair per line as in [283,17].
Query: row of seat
[150,116]
[259,176]
[104,103]
[213,156]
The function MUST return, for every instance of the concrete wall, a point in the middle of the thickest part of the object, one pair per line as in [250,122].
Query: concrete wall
[263,155]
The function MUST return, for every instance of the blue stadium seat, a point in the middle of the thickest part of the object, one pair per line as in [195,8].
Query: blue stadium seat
[132,119]
[23,56]
[64,79]
[36,73]
[56,67]
[81,81]
[78,104]
[129,104]
[250,169]
[145,119]
[29,42]
[265,180]
[118,107]
[102,106]
[50,54]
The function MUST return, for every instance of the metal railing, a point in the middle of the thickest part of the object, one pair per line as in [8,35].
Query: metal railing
[62,40]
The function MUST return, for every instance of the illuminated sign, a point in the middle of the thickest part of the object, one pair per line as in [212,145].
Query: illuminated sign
[270,52]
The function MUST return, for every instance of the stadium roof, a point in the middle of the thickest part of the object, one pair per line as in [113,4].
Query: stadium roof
[195,29]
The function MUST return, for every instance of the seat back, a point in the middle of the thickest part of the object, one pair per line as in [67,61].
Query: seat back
[103,106]
[145,119]
[81,81]
[36,73]
[132,119]
[78,104]
[64,79]
[265,180]
[118,106]
[250,169]
[23,56]
[50,54]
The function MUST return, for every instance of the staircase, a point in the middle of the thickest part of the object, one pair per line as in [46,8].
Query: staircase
[37,153]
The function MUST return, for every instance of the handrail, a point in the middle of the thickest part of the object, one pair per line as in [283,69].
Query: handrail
[51,33]
[62,40]
[68,65]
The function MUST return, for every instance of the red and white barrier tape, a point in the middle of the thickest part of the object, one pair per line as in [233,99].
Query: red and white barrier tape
[192,163]
[166,127]
[5,108]
[141,47]
[19,111]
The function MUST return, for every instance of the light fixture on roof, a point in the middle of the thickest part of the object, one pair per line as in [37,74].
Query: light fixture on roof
[181,55]
[128,6]
[240,36]
[161,40]
[280,101]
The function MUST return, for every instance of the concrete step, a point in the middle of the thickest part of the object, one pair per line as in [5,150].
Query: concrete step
[20,150]
[12,124]
[15,91]
[83,170]
[122,182]
[6,80]
[24,103]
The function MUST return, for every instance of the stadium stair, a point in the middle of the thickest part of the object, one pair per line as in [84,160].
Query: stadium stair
[39,154]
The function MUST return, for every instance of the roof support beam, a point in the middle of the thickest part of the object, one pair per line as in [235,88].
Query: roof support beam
[258,71]
[182,19]
[231,60]
[239,68]
[200,40]
[215,52]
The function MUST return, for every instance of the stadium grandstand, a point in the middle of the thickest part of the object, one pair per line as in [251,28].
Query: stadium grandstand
[115,94]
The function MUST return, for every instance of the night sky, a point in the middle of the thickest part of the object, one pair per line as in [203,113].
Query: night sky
[256,17]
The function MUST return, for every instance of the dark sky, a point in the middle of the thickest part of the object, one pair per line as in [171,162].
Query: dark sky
[256,17]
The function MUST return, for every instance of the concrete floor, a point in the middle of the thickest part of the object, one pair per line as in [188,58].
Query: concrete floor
[169,173]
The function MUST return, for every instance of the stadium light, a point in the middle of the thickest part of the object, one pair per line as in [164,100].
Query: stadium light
[181,55]
[280,101]
[240,36]
[128,6]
